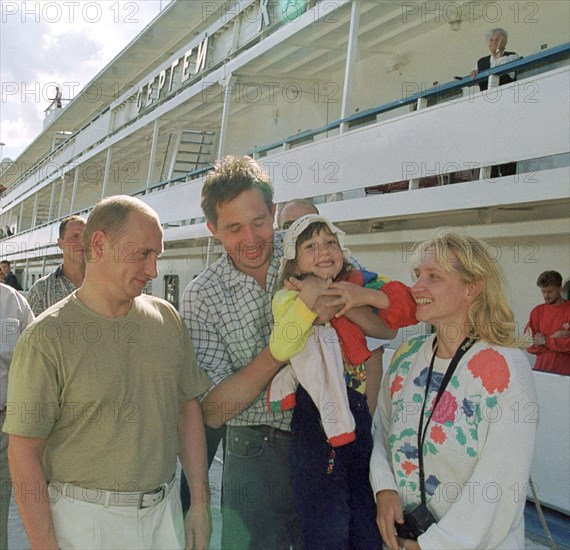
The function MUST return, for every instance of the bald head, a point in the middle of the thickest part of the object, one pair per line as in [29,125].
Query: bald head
[293,210]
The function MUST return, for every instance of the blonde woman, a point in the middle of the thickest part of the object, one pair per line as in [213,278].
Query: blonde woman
[471,432]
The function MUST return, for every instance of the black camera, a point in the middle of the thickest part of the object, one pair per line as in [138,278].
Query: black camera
[416,522]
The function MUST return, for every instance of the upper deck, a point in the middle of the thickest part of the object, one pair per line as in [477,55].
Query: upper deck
[201,82]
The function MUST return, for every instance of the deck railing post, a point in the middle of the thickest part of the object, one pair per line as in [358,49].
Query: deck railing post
[350,62]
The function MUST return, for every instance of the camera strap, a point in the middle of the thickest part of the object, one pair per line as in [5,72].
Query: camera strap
[422,428]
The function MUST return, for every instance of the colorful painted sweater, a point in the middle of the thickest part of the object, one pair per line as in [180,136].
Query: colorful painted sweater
[478,447]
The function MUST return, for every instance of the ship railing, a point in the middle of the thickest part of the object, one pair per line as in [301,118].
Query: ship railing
[55,105]
[32,239]
[546,62]
[48,158]
[533,64]
[539,63]
[52,111]
[192,175]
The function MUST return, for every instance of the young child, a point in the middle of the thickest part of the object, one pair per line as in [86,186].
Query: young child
[325,381]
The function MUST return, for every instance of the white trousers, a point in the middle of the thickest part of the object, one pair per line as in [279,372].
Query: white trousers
[85,525]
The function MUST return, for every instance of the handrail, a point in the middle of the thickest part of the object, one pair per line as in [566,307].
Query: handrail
[189,175]
[83,212]
[59,146]
[552,54]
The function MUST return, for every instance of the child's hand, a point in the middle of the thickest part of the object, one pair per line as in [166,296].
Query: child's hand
[349,296]
[290,284]
[310,289]
[346,296]
[294,282]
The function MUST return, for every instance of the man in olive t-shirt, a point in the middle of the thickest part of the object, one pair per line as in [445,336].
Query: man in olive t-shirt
[102,399]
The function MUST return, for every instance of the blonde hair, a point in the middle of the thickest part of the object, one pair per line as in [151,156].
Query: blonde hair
[489,316]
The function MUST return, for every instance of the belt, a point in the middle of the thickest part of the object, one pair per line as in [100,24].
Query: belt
[270,431]
[141,500]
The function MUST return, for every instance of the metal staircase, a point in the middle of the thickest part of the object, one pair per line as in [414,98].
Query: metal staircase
[187,150]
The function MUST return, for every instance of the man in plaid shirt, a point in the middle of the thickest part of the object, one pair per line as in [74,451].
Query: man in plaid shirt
[68,277]
[228,311]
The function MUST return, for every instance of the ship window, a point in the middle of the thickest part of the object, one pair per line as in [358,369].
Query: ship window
[362,121]
[443,96]
[171,289]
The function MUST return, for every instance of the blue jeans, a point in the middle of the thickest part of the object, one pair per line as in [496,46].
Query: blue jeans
[257,509]
[332,491]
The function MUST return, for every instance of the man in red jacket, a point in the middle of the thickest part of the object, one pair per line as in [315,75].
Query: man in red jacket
[549,325]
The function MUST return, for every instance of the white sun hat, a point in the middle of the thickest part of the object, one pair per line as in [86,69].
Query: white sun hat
[298,226]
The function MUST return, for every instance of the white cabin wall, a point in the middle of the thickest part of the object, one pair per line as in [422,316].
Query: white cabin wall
[89,189]
[184,262]
[272,118]
[548,25]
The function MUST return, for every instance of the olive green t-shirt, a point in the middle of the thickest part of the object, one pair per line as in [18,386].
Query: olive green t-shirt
[105,393]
